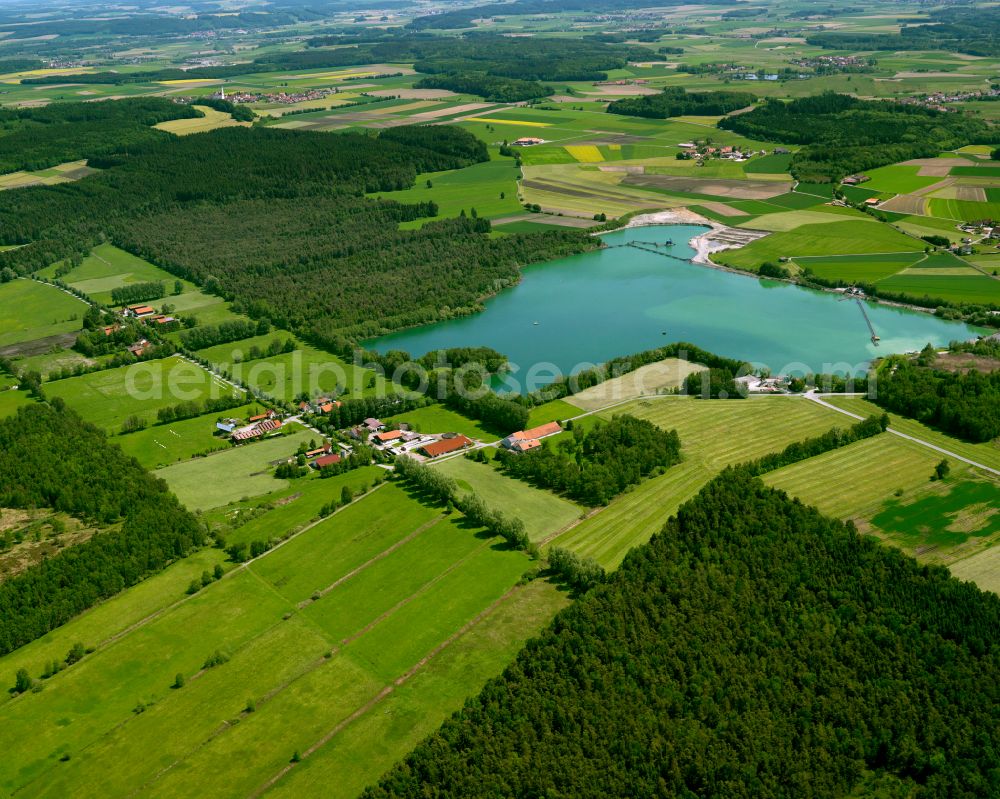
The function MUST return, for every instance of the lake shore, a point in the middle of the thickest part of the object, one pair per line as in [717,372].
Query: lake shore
[720,237]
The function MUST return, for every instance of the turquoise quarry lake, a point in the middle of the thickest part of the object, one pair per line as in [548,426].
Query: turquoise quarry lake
[619,300]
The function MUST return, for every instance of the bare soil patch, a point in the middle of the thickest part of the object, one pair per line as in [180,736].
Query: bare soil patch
[934,171]
[905,204]
[39,346]
[722,208]
[971,193]
[948,162]
[620,91]
[720,187]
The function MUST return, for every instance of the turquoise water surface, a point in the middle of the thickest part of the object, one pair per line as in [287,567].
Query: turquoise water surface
[619,300]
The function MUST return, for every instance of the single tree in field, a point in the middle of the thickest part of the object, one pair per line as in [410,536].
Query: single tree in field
[178,681]
[76,653]
[22,681]
[346,496]
[942,470]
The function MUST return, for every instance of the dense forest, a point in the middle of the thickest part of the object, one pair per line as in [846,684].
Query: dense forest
[674,102]
[36,138]
[966,405]
[325,258]
[522,58]
[969,29]
[753,648]
[51,458]
[843,134]
[489,87]
[595,466]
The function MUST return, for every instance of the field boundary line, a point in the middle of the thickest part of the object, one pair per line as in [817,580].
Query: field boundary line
[319,594]
[309,667]
[814,397]
[156,614]
[391,687]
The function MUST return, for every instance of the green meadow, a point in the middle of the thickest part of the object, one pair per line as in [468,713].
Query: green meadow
[237,472]
[306,370]
[861,268]
[542,512]
[965,287]
[714,434]
[853,481]
[33,310]
[10,401]
[163,444]
[851,237]
[108,397]
[381,618]
[476,187]
[986,454]
[897,179]
[108,268]
[439,419]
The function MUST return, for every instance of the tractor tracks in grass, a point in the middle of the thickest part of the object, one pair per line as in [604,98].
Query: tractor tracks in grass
[228,575]
[388,689]
[370,562]
[328,656]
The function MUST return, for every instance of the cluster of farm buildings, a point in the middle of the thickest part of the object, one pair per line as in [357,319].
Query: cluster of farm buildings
[284,98]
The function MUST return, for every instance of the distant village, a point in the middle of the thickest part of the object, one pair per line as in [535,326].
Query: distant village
[939,101]
[284,98]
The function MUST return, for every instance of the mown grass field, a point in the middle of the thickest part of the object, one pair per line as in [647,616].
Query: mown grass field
[552,411]
[439,419]
[862,268]
[414,612]
[982,568]
[649,379]
[542,512]
[106,398]
[61,173]
[10,401]
[108,268]
[33,310]
[289,509]
[224,477]
[478,186]
[163,444]
[850,237]
[211,120]
[986,454]
[713,434]
[306,370]
[897,179]
[966,286]
[854,481]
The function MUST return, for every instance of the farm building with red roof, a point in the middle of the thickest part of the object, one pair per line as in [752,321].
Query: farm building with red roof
[445,445]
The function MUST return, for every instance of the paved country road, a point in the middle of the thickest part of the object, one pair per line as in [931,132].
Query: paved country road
[813,396]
